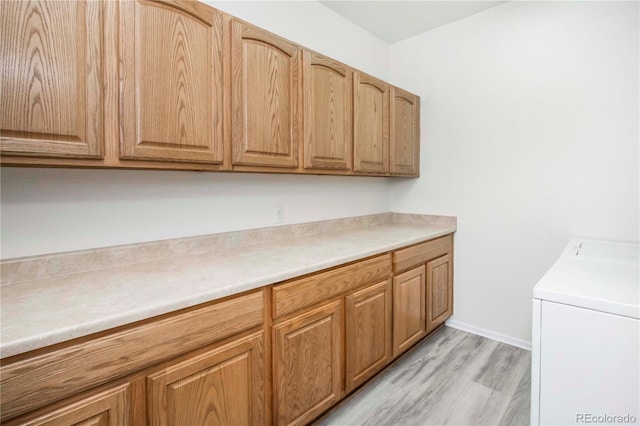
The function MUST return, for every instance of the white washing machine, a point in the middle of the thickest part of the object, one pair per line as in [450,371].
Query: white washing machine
[586,337]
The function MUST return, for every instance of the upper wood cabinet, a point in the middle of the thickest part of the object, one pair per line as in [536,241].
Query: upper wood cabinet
[371,125]
[51,80]
[177,84]
[404,152]
[171,81]
[265,99]
[327,91]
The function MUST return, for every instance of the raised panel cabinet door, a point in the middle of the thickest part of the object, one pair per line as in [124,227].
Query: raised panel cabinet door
[171,81]
[439,291]
[107,408]
[307,366]
[264,98]
[51,78]
[223,386]
[408,309]
[404,151]
[327,91]
[371,125]
[368,333]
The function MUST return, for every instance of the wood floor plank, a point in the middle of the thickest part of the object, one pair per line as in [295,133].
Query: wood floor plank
[519,409]
[452,377]
[477,405]
[504,369]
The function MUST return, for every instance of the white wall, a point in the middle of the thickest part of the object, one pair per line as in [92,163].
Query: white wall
[529,136]
[54,210]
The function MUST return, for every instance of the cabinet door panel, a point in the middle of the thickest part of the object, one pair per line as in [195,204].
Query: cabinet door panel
[405,133]
[265,98]
[439,291]
[51,78]
[327,113]
[107,408]
[171,76]
[368,333]
[408,309]
[307,369]
[371,125]
[224,386]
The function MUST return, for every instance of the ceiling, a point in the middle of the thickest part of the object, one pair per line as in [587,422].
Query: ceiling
[394,20]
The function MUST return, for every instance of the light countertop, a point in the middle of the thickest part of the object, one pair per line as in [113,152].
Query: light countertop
[41,312]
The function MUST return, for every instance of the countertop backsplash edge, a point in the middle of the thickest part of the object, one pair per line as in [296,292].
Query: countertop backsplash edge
[65,263]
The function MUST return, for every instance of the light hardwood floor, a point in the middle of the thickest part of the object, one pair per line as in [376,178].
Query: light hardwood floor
[450,378]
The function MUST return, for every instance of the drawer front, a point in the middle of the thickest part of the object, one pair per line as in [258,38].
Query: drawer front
[34,382]
[295,295]
[421,253]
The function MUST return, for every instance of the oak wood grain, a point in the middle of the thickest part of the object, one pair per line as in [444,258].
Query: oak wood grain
[421,253]
[408,309]
[439,300]
[172,82]
[105,408]
[368,329]
[404,151]
[265,97]
[307,364]
[327,91]
[301,293]
[33,382]
[370,125]
[223,386]
[51,78]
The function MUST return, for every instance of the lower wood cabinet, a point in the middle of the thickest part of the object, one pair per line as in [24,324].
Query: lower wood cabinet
[107,408]
[408,309]
[307,364]
[252,359]
[439,291]
[319,354]
[223,386]
[368,333]
[169,350]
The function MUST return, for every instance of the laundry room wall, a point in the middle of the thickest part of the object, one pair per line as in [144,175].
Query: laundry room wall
[530,136]
[56,210]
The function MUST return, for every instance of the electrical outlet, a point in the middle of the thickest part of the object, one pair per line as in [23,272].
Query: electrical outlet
[279,213]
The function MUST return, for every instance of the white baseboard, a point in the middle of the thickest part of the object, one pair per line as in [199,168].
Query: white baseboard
[490,334]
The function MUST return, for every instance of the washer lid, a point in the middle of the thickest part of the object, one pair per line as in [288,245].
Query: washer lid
[599,275]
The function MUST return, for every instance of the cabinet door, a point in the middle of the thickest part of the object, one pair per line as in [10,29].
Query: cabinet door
[371,124]
[368,333]
[224,386]
[307,368]
[108,408]
[51,78]
[171,82]
[404,152]
[265,98]
[408,309]
[327,113]
[439,291]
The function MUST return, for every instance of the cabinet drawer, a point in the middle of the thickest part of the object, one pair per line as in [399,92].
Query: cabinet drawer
[422,253]
[34,382]
[305,292]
